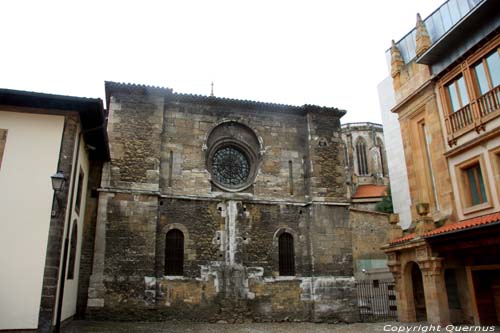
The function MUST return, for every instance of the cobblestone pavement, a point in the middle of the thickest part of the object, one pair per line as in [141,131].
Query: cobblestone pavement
[178,327]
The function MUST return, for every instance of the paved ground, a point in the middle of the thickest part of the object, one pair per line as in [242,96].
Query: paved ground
[178,327]
[181,327]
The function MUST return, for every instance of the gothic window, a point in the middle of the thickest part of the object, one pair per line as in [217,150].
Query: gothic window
[174,252]
[346,156]
[72,253]
[286,255]
[361,157]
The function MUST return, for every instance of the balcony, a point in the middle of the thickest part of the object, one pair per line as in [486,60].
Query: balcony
[473,116]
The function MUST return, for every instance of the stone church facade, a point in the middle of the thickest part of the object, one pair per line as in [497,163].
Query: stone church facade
[221,209]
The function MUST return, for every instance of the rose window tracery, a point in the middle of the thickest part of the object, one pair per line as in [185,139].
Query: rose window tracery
[230,166]
[232,156]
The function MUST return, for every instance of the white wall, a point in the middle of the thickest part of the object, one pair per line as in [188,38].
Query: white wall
[30,158]
[395,154]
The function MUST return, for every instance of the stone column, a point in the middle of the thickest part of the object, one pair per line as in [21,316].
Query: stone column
[436,297]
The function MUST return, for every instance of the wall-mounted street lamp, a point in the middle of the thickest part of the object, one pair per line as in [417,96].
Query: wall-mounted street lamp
[58,181]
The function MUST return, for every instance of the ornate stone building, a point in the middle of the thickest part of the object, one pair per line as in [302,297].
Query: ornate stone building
[215,208]
[367,180]
[366,164]
[446,77]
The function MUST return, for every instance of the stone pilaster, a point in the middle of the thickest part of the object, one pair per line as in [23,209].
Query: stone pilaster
[436,297]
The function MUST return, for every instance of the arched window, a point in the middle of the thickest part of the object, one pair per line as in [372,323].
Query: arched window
[174,252]
[72,253]
[346,156]
[381,150]
[286,255]
[361,157]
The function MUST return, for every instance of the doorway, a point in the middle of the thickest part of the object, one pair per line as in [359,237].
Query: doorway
[418,293]
[487,290]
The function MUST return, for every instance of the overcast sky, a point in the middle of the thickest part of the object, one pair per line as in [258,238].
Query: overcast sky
[329,53]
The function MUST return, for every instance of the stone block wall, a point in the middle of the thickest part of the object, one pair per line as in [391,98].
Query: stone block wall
[326,156]
[158,180]
[130,242]
[134,128]
[88,236]
[369,231]
[331,240]
[185,132]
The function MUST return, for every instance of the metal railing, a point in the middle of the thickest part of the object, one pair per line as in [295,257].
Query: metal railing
[376,300]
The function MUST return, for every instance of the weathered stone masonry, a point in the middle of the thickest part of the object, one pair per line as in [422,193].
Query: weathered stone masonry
[159,179]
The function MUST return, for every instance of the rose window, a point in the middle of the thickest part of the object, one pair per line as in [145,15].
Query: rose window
[230,166]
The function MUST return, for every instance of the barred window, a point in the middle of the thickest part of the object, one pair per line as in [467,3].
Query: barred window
[286,255]
[174,252]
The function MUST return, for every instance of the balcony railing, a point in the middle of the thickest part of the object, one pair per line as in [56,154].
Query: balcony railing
[461,118]
[489,102]
[474,114]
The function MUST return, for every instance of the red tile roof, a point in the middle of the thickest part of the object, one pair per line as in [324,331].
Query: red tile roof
[466,224]
[455,226]
[403,239]
[369,191]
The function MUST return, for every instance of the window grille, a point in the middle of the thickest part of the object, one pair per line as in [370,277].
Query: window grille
[174,252]
[286,255]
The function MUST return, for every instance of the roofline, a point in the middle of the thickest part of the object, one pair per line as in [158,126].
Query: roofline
[415,28]
[456,32]
[182,97]
[452,232]
[90,110]
[65,98]
[362,123]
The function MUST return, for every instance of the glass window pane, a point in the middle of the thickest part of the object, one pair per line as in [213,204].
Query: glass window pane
[452,92]
[476,185]
[494,66]
[481,184]
[481,78]
[463,91]
[473,186]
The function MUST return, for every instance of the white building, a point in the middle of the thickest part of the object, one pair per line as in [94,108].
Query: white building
[41,134]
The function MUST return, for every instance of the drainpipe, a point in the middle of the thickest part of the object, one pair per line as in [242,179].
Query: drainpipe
[67,226]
